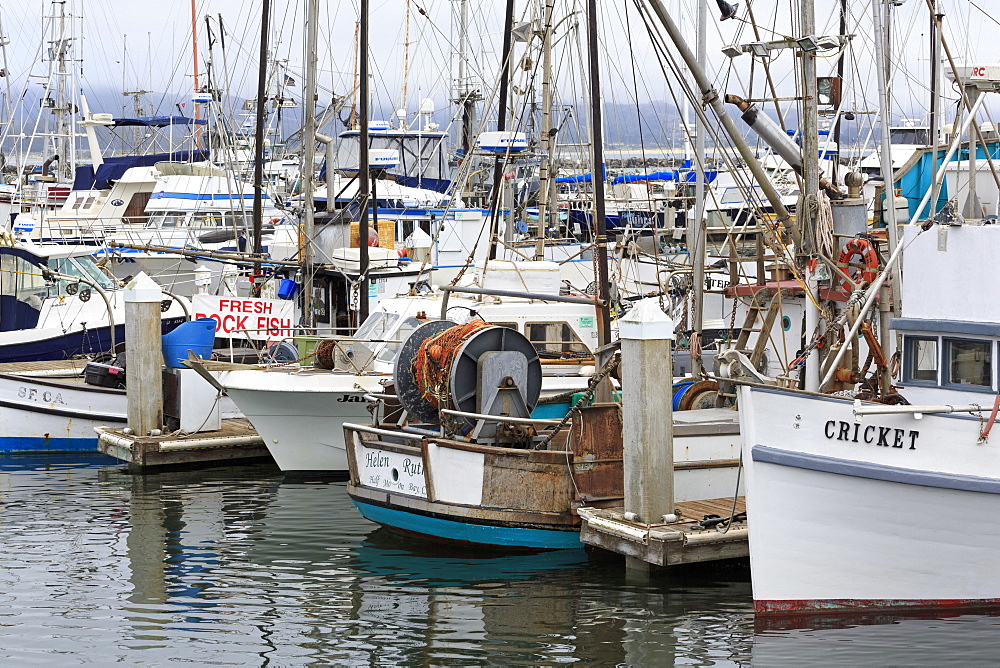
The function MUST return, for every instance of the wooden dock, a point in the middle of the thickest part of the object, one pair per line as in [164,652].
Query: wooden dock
[236,440]
[682,542]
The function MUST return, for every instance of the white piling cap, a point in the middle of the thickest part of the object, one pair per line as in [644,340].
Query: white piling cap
[142,289]
[646,322]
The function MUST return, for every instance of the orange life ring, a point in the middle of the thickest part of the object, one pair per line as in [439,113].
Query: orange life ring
[867,271]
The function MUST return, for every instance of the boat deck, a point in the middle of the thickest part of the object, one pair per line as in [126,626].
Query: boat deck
[51,368]
[680,542]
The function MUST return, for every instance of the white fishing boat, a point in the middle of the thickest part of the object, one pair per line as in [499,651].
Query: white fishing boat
[48,407]
[857,506]
[55,303]
[318,401]
[194,207]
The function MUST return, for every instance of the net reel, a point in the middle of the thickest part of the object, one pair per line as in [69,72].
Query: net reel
[473,368]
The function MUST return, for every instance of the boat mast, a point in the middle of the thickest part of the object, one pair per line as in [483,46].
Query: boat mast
[465,94]
[808,201]
[546,182]
[308,163]
[840,75]
[882,66]
[195,73]
[8,116]
[500,160]
[64,134]
[696,226]
[597,163]
[258,165]
[364,164]
[353,119]
[935,99]
[406,55]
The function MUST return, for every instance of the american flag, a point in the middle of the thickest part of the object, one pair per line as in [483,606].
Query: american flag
[289,81]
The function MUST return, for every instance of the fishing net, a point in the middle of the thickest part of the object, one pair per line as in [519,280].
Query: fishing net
[432,364]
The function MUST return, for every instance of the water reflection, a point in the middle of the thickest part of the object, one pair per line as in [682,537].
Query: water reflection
[918,638]
[236,566]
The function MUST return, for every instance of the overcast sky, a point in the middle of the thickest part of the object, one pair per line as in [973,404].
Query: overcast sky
[141,45]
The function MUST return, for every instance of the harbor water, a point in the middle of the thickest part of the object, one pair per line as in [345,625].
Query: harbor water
[237,566]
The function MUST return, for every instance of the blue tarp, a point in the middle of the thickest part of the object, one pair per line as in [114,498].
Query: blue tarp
[157,121]
[582,178]
[915,183]
[87,178]
[673,175]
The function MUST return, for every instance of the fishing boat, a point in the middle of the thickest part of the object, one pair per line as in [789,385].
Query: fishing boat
[46,406]
[319,399]
[55,303]
[872,498]
[820,468]
[193,206]
[469,464]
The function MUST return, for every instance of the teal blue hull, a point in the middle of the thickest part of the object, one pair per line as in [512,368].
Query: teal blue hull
[484,535]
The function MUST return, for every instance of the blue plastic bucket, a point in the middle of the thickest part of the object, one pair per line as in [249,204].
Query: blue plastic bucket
[287,288]
[196,336]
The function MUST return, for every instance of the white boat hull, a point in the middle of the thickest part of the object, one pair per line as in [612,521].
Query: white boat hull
[889,511]
[52,416]
[301,417]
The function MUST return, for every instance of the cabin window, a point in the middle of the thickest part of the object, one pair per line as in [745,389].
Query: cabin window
[921,360]
[554,338]
[79,267]
[919,136]
[377,326]
[242,220]
[23,280]
[389,350]
[206,219]
[168,219]
[969,362]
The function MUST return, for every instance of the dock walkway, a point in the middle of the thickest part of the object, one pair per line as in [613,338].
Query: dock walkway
[236,440]
[680,542]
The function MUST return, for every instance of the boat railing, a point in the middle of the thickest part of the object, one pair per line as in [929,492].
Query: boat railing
[915,411]
[500,418]
[569,299]
[383,432]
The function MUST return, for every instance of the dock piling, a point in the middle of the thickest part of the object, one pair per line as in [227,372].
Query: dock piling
[144,354]
[646,333]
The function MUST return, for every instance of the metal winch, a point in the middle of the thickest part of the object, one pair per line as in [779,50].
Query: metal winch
[457,376]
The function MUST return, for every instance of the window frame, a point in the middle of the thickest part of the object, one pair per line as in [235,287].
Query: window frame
[908,341]
[945,364]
